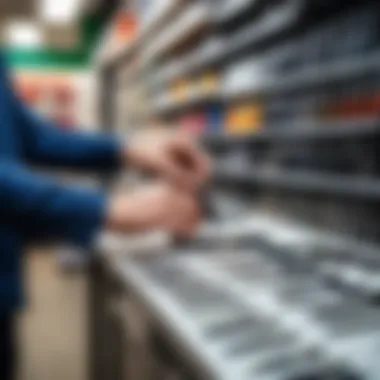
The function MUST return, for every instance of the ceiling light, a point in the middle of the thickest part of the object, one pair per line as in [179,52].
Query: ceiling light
[60,11]
[23,34]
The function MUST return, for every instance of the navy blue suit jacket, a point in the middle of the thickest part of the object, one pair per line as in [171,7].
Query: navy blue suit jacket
[33,205]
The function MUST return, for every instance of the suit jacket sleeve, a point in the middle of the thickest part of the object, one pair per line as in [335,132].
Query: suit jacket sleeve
[33,203]
[47,144]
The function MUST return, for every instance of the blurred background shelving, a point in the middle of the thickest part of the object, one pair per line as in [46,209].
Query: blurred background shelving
[254,76]
[284,94]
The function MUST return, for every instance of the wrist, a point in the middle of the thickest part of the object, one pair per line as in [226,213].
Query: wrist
[113,216]
[123,215]
[129,156]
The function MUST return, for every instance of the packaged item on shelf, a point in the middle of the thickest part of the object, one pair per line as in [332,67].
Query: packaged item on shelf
[247,76]
[123,31]
[209,82]
[215,118]
[180,89]
[194,123]
[354,101]
[328,105]
[244,117]
[126,26]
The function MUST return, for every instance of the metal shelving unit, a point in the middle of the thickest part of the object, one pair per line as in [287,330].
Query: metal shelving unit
[157,20]
[327,75]
[333,130]
[193,301]
[193,20]
[363,188]
[232,48]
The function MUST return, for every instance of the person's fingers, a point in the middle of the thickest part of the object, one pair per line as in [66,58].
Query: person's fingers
[188,218]
[204,167]
[192,224]
[190,227]
[201,161]
[184,155]
[191,161]
[173,173]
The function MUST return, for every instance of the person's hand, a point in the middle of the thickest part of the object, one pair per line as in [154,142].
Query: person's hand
[173,156]
[156,207]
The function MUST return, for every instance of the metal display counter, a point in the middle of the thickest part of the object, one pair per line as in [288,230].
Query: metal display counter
[268,306]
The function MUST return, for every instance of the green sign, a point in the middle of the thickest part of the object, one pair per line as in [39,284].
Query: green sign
[76,58]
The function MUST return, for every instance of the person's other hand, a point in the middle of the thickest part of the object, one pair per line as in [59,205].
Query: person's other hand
[155,207]
[173,156]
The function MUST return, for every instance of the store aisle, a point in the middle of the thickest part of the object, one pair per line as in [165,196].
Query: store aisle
[52,330]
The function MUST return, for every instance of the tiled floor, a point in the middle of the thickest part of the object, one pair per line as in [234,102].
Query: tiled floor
[53,328]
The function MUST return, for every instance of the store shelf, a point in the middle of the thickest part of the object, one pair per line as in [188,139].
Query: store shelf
[284,63]
[233,9]
[192,21]
[315,77]
[311,78]
[161,14]
[190,63]
[167,105]
[157,19]
[107,57]
[354,129]
[225,51]
[362,188]
[169,317]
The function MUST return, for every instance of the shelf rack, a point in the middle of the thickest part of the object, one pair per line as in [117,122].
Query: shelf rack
[327,75]
[181,20]
[356,187]
[333,130]
[157,20]
[254,170]
[192,21]
[315,77]
[226,51]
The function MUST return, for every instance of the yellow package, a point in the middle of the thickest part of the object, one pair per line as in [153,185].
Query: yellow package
[244,118]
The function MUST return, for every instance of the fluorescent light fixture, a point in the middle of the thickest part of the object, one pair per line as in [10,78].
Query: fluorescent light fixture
[60,11]
[23,34]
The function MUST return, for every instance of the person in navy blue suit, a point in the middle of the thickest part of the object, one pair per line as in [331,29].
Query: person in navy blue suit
[34,206]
